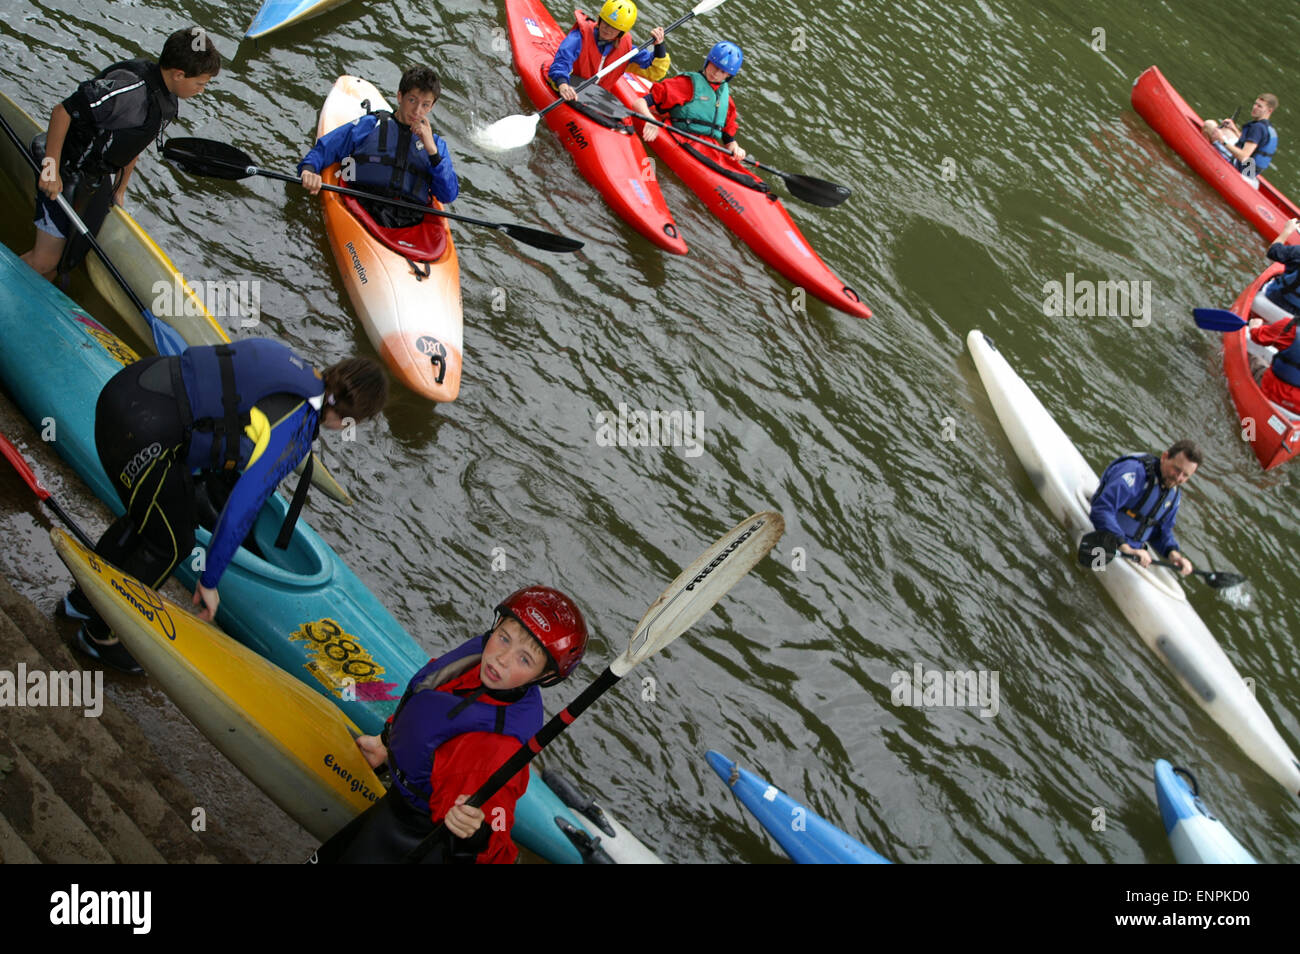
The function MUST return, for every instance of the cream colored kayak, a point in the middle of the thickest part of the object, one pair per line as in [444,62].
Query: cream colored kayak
[412,313]
[292,742]
[1151,599]
[144,265]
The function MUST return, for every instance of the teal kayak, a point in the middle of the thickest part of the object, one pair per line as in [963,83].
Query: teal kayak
[1197,837]
[805,836]
[302,608]
[276,14]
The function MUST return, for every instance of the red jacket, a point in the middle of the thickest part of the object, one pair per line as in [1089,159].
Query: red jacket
[463,763]
[666,94]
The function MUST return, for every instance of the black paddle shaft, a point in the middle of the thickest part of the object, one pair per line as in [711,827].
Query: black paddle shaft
[208,157]
[523,755]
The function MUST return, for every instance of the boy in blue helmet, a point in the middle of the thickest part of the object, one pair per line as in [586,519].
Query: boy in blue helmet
[463,716]
[699,103]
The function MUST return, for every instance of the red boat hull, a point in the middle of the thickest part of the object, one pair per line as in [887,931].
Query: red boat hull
[758,219]
[613,161]
[1178,125]
[1276,430]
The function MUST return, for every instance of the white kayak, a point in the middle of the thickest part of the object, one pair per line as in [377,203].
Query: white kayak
[1197,837]
[1151,599]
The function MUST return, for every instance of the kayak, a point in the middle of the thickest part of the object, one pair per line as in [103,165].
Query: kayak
[1276,430]
[409,300]
[275,14]
[1152,599]
[1168,114]
[610,157]
[602,836]
[804,835]
[144,265]
[745,205]
[1197,837]
[289,741]
[301,608]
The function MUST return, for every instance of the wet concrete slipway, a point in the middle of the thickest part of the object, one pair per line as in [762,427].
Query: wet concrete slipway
[992,150]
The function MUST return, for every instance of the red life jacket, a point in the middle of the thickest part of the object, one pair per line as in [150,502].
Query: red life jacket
[589,60]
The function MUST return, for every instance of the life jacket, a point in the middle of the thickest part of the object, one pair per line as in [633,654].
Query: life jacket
[392,162]
[1263,154]
[221,383]
[1138,522]
[427,717]
[590,59]
[706,113]
[1286,363]
[1284,290]
[95,153]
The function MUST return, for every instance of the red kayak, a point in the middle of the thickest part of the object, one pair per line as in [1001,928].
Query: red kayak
[1177,123]
[609,157]
[741,200]
[1277,430]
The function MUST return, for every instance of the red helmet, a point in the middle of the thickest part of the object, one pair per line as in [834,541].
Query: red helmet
[555,621]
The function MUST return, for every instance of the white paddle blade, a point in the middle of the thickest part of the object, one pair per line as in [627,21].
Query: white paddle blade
[706,6]
[509,133]
[700,586]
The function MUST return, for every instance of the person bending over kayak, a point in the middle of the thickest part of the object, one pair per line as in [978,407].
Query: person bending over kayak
[462,716]
[1251,147]
[397,154]
[1137,501]
[1279,379]
[590,44]
[250,409]
[699,103]
[98,133]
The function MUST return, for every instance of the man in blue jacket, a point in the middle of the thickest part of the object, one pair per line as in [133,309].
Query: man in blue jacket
[396,154]
[1138,499]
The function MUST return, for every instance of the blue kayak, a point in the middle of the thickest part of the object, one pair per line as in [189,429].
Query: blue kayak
[805,836]
[276,14]
[1197,837]
[302,608]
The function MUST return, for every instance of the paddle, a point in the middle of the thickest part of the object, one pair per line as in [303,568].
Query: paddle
[219,160]
[686,599]
[167,339]
[515,131]
[1108,543]
[1217,319]
[812,190]
[15,457]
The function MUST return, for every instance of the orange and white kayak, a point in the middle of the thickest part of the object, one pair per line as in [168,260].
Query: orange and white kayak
[409,300]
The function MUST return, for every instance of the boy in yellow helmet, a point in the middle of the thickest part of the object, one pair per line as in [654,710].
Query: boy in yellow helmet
[593,43]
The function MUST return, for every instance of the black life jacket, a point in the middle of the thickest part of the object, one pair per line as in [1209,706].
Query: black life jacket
[95,153]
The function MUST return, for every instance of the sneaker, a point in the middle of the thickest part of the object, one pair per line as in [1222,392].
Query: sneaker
[110,654]
[75,604]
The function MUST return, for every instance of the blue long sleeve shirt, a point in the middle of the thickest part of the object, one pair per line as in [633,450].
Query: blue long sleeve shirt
[1124,486]
[338,144]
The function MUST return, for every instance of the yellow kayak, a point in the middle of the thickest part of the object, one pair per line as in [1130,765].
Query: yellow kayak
[293,743]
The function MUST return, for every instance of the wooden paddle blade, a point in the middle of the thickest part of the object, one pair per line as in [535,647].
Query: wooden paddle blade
[207,157]
[548,241]
[816,191]
[1217,319]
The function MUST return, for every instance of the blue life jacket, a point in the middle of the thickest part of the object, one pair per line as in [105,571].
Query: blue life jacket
[221,384]
[1138,522]
[1286,363]
[1263,154]
[1284,290]
[426,718]
[392,162]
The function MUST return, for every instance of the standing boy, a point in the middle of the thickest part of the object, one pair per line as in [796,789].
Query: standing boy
[99,132]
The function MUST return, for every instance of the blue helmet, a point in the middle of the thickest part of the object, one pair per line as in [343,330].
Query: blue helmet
[726,57]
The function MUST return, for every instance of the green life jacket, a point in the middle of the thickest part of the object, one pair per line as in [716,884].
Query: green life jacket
[706,113]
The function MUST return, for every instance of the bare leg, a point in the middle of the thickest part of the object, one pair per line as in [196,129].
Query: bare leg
[44,255]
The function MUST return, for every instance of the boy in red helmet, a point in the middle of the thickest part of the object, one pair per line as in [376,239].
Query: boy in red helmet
[462,716]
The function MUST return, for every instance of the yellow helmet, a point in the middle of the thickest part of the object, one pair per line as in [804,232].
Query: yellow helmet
[620,14]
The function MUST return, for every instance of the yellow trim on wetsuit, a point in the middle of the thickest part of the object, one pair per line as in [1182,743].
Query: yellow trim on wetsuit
[259,429]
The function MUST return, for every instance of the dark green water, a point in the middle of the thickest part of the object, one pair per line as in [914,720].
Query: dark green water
[992,149]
